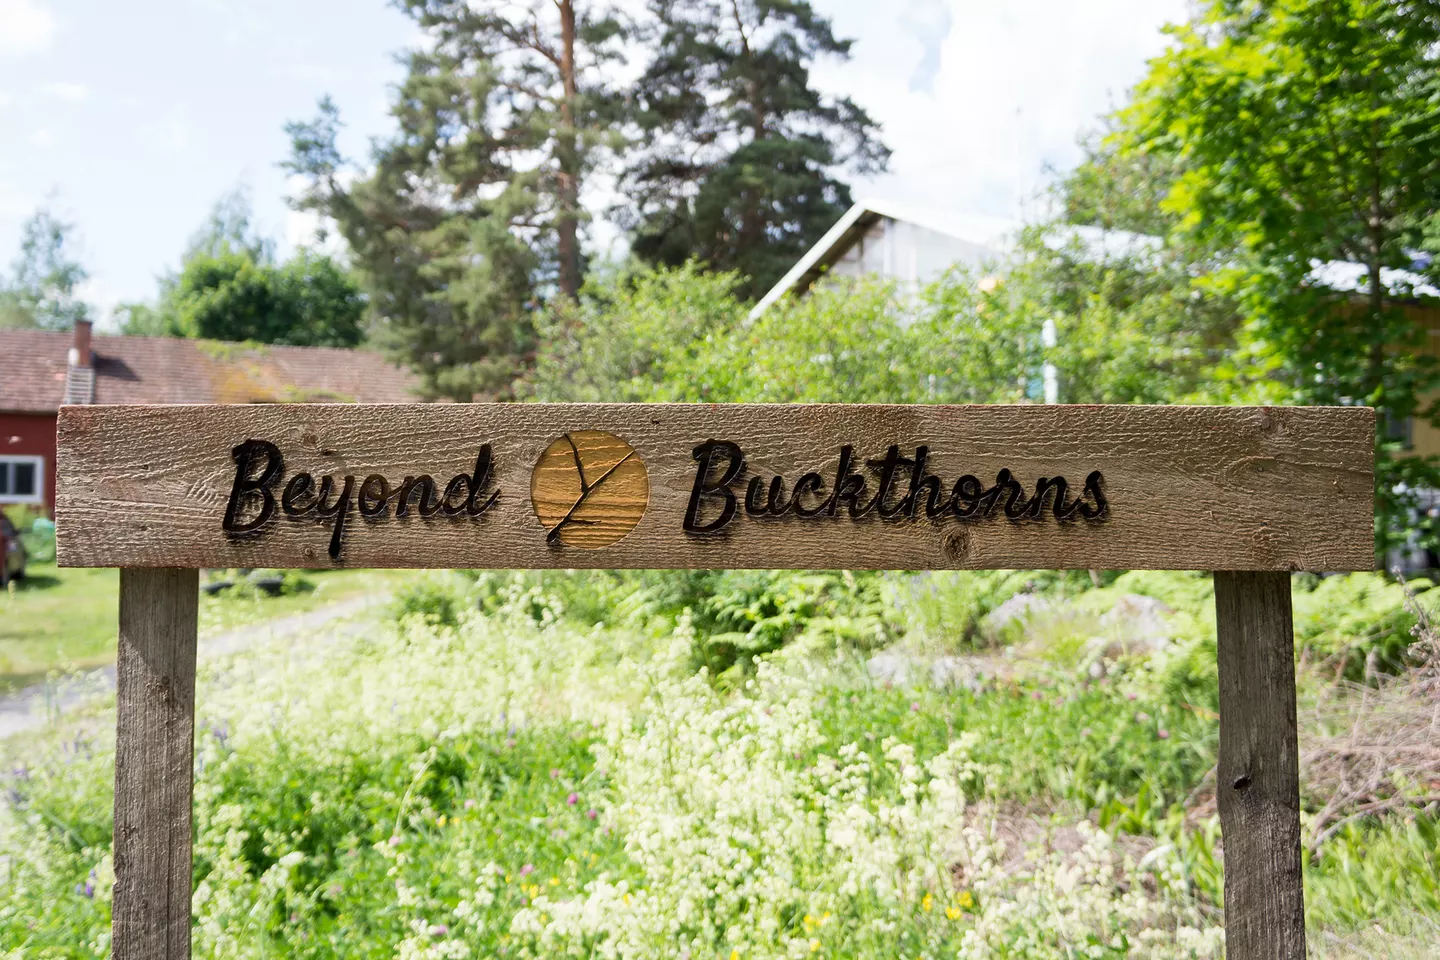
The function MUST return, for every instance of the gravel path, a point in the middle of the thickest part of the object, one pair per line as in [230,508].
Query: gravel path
[34,706]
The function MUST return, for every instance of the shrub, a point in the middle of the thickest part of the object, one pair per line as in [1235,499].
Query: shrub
[434,600]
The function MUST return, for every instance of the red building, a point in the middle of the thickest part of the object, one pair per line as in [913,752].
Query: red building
[40,370]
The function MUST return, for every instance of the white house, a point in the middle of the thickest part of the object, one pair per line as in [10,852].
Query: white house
[877,238]
[913,247]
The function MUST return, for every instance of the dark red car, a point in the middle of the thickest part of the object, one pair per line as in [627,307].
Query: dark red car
[12,552]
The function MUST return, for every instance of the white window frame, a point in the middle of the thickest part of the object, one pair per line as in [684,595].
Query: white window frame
[39,463]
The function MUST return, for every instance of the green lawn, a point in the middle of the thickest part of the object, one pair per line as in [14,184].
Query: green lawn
[65,618]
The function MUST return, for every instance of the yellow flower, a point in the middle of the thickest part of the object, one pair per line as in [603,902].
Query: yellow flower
[734,955]
[814,945]
[964,899]
[442,820]
[926,903]
[554,881]
[953,913]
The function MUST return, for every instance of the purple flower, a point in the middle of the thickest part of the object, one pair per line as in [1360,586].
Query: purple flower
[554,773]
[439,930]
[469,804]
[592,814]
[573,799]
[1142,717]
[1163,734]
[526,870]
[915,707]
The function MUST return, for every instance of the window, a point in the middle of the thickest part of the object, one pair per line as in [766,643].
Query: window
[22,479]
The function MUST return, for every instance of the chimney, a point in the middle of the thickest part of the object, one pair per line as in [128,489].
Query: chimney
[80,351]
[80,377]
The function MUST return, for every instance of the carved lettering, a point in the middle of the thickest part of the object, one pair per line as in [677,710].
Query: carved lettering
[969,499]
[260,466]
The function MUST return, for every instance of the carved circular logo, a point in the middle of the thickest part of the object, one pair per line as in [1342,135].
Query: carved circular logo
[589,489]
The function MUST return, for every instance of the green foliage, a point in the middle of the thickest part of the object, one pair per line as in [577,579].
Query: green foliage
[1299,131]
[1360,623]
[435,600]
[229,288]
[308,301]
[43,291]
[943,610]
[737,160]
[37,532]
[261,584]
[468,216]
[1390,868]
[637,335]
[1126,335]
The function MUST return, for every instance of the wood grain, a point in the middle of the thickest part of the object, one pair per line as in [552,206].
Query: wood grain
[1258,778]
[154,763]
[589,489]
[1187,487]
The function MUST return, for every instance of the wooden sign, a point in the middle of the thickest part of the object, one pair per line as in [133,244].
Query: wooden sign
[703,486]
[1253,492]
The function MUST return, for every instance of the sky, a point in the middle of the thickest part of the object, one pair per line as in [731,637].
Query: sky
[131,119]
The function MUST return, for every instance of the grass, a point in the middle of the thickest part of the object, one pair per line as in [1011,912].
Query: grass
[65,618]
[523,783]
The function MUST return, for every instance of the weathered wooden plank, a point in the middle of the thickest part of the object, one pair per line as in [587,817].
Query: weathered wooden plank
[1258,779]
[154,763]
[1182,487]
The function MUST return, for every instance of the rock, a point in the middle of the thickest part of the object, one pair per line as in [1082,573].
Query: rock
[965,672]
[892,667]
[1016,610]
[1137,624]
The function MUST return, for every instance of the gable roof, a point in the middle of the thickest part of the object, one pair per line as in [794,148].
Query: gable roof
[990,236]
[33,364]
[994,238]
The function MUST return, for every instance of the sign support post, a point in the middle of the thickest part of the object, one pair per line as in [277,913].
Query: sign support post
[1257,781]
[154,763]
[1250,493]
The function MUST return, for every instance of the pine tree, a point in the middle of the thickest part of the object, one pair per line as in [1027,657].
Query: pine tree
[742,155]
[469,216]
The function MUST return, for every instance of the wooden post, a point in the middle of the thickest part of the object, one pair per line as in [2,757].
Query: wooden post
[1258,781]
[154,763]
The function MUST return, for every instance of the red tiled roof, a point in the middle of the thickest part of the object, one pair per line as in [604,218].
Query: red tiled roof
[172,370]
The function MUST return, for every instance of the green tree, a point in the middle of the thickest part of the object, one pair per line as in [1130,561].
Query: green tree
[1305,131]
[639,335]
[230,288]
[468,217]
[741,154]
[307,301]
[43,291]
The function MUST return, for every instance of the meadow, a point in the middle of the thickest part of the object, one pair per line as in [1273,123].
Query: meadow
[740,765]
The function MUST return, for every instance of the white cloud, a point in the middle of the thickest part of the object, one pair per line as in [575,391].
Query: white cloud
[44,137]
[28,27]
[70,92]
[1016,86]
